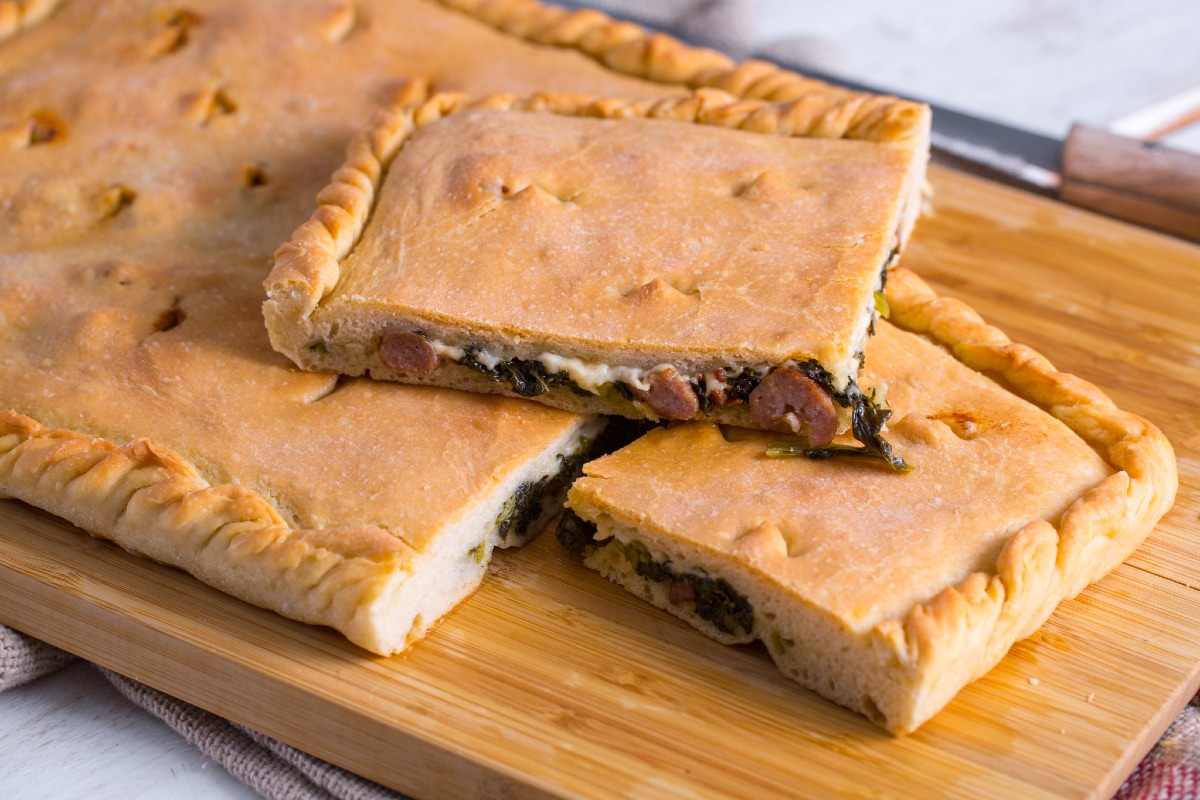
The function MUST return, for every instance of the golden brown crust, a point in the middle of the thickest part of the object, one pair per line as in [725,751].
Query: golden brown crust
[1129,443]
[16,15]
[225,535]
[927,578]
[726,320]
[133,272]
[818,108]
[308,266]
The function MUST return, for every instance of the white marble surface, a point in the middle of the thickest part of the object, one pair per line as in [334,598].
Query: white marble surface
[1039,64]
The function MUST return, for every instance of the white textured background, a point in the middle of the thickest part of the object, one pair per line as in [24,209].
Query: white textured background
[1035,64]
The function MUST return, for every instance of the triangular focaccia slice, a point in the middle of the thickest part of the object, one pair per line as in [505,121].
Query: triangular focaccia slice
[882,591]
[695,257]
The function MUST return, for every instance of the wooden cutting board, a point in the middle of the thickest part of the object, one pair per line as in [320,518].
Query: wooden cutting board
[550,681]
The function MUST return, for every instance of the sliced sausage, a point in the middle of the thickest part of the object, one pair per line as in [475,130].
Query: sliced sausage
[790,396]
[669,396]
[408,351]
[681,592]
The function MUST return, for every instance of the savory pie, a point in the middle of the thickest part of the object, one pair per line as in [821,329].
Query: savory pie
[701,256]
[153,158]
[887,592]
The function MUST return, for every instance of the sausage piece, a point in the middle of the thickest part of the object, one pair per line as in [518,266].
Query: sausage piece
[788,395]
[669,396]
[408,351]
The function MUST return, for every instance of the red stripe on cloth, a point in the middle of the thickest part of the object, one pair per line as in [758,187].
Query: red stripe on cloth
[1154,780]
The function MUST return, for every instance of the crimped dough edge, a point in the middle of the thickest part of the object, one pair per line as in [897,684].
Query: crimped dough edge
[627,47]
[307,268]
[361,580]
[941,641]
[909,667]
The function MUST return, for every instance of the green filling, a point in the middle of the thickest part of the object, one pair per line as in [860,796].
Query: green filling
[526,504]
[575,533]
[522,508]
[530,379]
[643,563]
[527,378]
[881,305]
[714,599]
[780,643]
[867,420]
[739,387]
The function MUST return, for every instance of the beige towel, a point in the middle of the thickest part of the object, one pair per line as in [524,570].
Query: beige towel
[267,766]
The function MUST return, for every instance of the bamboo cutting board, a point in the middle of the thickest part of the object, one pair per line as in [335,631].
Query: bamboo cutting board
[552,682]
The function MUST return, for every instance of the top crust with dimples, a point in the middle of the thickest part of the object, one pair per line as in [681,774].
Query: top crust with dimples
[702,232]
[889,592]
[139,395]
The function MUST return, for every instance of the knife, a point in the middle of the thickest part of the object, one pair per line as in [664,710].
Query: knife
[1127,173]
[1131,177]
[975,144]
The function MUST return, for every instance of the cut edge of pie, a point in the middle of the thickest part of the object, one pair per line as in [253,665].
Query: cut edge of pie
[308,272]
[362,580]
[906,667]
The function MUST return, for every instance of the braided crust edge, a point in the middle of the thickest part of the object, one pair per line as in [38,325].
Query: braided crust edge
[17,15]
[966,629]
[629,48]
[307,267]
[152,502]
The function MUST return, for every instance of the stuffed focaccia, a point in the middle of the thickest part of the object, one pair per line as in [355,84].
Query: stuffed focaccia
[883,591]
[700,257]
[154,156]
[448,479]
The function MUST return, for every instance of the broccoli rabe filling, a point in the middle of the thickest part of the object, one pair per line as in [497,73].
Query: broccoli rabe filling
[711,599]
[531,378]
[527,503]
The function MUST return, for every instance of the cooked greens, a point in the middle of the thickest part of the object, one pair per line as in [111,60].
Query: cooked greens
[739,386]
[525,505]
[522,508]
[527,378]
[575,533]
[713,599]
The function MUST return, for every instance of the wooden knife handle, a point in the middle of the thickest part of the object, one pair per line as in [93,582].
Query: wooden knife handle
[1143,182]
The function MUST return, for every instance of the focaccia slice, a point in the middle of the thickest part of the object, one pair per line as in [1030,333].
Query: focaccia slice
[457,479]
[701,257]
[882,591]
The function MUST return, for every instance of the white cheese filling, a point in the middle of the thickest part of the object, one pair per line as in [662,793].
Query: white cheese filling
[592,375]
[587,375]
